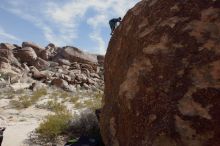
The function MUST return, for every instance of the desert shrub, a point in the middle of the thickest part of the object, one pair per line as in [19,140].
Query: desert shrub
[54,94]
[79,105]
[37,94]
[95,102]
[84,124]
[26,101]
[64,94]
[54,125]
[22,102]
[55,106]
[59,94]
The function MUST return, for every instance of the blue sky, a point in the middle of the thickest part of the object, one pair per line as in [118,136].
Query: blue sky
[80,23]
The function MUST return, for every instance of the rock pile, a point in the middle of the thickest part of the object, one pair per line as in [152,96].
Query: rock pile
[162,76]
[67,67]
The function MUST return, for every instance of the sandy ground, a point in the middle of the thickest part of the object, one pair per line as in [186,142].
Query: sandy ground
[19,123]
[16,134]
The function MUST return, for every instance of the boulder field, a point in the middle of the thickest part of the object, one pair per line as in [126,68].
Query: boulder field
[64,67]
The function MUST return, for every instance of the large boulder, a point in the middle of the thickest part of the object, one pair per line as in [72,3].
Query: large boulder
[41,64]
[8,54]
[36,48]
[162,76]
[26,54]
[7,46]
[38,75]
[101,59]
[52,49]
[75,55]
[45,54]
[4,63]
[60,83]
[63,62]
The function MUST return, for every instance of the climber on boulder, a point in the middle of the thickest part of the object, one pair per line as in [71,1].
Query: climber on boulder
[113,23]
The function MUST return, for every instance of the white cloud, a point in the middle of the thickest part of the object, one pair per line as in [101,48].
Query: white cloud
[108,9]
[61,36]
[60,21]
[7,36]
[97,20]
[100,42]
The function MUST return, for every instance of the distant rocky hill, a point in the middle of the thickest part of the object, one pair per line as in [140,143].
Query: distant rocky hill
[69,68]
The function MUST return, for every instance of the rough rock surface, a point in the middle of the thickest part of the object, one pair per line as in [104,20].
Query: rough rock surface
[75,55]
[7,46]
[162,76]
[8,54]
[41,64]
[26,54]
[36,48]
[101,59]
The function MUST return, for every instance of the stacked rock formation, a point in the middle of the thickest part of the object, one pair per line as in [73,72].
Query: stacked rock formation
[162,76]
[67,67]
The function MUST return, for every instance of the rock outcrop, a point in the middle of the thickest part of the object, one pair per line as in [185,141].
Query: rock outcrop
[8,54]
[36,48]
[162,76]
[75,55]
[7,46]
[26,54]
[67,67]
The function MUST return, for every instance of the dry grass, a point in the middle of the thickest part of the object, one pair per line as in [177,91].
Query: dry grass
[55,106]
[74,99]
[22,102]
[26,101]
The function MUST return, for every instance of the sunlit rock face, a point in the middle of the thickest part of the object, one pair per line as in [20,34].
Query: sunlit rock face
[162,76]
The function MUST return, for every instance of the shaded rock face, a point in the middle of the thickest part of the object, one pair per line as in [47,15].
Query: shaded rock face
[162,76]
[101,59]
[75,55]
[8,54]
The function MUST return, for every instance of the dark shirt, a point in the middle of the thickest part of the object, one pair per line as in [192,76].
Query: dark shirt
[115,20]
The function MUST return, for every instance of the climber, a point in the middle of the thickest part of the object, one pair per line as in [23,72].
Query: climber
[113,22]
[2,129]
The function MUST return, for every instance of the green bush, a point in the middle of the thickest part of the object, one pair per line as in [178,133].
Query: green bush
[54,125]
